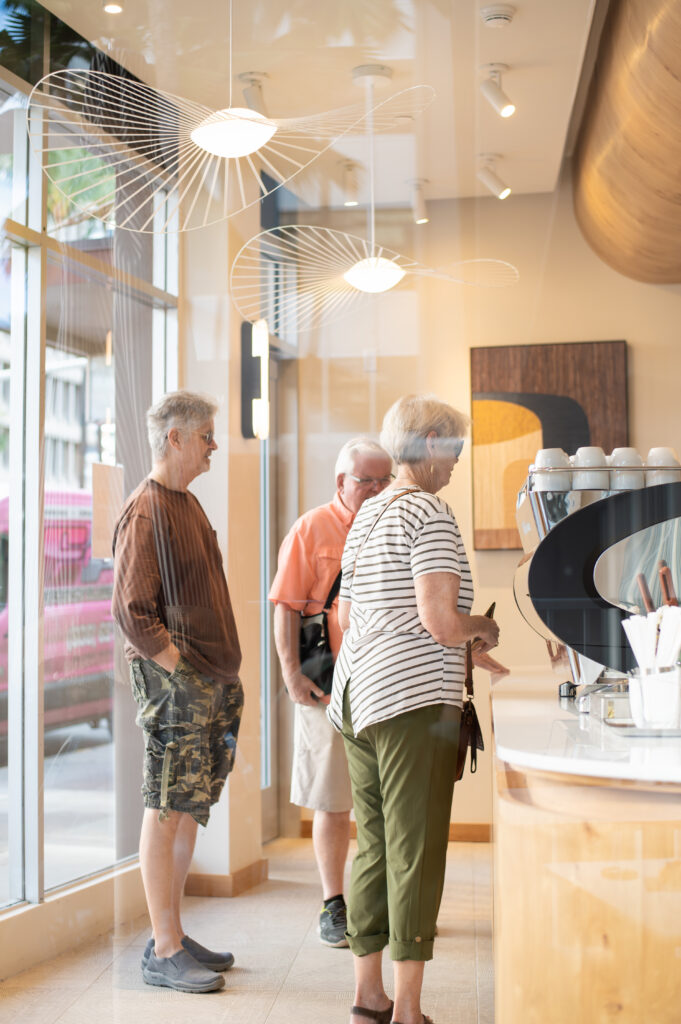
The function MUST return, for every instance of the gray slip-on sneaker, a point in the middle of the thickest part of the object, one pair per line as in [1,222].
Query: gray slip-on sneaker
[181,972]
[214,961]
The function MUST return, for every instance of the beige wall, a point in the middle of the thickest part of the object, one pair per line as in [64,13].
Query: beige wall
[211,358]
[420,338]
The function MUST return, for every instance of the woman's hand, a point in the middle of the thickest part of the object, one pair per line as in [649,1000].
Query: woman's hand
[486,634]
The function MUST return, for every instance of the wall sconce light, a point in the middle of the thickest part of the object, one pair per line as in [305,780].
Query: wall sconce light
[260,348]
[350,184]
[418,203]
[252,90]
[490,179]
[492,91]
[255,380]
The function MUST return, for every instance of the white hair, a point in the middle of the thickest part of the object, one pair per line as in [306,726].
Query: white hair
[345,463]
[184,410]
[411,418]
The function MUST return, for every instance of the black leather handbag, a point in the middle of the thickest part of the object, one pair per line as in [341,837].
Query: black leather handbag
[470,733]
[316,657]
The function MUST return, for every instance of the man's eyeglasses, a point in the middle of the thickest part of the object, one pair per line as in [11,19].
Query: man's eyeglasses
[364,481]
[208,438]
[457,446]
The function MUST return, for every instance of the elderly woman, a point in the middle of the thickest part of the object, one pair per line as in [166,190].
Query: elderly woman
[405,605]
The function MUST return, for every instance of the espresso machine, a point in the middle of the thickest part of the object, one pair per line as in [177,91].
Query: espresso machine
[584,550]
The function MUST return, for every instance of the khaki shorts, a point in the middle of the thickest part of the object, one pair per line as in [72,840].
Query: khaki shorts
[190,725]
[319,777]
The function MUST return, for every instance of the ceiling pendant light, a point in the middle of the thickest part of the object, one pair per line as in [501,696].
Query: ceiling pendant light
[374,274]
[233,132]
[317,274]
[149,161]
[492,91]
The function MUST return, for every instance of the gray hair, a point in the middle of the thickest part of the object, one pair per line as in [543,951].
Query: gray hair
[184,410]
[345,463]
[411,418]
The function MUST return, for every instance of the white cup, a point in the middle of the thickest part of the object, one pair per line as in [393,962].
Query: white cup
[655,697]
[621,478]
[590,459]
[552,458]
[662,457]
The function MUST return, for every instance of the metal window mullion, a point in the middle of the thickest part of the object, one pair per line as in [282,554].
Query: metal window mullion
[33,574]
[15,598]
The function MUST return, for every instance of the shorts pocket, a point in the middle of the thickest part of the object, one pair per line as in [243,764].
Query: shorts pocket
[138,682]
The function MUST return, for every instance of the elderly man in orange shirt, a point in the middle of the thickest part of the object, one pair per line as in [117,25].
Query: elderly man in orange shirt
[309,563]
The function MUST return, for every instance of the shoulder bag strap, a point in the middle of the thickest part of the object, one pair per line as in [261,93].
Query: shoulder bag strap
[331,597]
[410,490]
[469,670]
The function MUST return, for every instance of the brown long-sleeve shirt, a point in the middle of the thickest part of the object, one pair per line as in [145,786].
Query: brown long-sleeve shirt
[169,584]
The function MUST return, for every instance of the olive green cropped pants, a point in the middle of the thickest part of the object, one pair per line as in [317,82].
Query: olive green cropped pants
[402,775]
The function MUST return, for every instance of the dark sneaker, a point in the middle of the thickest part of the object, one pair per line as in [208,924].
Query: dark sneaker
[207,957]
[333,924]
[181,972]
[214,961]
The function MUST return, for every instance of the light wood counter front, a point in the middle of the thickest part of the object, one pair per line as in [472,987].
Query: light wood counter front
[587,884]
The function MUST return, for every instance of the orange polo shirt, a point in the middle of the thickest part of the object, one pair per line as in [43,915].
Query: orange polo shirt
[310,560]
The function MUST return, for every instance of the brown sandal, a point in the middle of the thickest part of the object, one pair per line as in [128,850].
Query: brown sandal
[426,1020]
[380,1016]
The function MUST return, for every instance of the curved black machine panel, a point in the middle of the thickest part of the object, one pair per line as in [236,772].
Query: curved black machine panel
[561,576]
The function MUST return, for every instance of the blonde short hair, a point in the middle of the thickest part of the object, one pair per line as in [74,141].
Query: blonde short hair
[411,418]
[184,410]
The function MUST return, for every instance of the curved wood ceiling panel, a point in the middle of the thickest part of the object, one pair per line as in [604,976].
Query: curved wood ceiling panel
[627,189]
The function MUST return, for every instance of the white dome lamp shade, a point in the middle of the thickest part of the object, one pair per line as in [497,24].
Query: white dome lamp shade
[233,132]
[374,274]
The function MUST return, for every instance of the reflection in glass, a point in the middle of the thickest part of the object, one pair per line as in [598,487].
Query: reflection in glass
[78,629]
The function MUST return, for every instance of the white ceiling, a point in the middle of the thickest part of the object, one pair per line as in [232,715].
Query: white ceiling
[309,47]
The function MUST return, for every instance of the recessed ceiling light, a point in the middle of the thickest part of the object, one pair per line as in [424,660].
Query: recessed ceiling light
[110,7]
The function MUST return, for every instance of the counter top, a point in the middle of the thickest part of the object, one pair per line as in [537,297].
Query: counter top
[534,728]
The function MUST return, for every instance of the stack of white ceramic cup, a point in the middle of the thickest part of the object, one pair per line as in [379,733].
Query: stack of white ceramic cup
[590,469]
[624,476]
[554,459]
[666,457]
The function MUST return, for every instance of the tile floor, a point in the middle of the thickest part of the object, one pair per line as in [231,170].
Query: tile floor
[283,975]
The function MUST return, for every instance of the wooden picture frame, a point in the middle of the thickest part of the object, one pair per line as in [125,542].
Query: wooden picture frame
[527,397]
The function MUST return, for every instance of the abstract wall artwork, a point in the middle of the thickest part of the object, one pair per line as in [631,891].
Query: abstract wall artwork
[527,397]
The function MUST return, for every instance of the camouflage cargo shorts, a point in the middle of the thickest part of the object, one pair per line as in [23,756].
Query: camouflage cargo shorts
[190,725]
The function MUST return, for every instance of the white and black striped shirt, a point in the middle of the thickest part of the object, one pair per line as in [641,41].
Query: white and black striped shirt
[393,663]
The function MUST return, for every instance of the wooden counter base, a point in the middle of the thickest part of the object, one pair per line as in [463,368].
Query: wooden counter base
[587,893]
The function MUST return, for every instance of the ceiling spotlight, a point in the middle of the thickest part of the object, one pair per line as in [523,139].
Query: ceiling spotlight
[418,203]
[490,179]
[492,91]
[252,90]
[350,183]
[112,8]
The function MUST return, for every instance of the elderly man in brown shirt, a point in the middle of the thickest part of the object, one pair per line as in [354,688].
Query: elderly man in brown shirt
[172,604]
